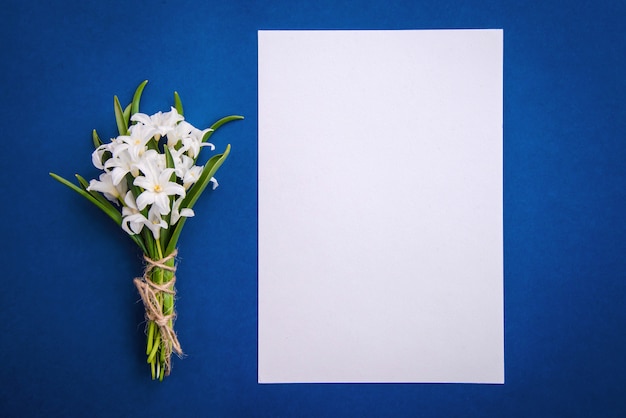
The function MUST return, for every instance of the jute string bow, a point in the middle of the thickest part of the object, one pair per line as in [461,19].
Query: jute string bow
[150,292]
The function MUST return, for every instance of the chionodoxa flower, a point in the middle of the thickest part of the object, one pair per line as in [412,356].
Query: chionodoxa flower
[148,185]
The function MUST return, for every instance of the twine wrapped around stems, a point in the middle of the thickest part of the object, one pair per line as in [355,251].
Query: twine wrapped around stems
[151,295]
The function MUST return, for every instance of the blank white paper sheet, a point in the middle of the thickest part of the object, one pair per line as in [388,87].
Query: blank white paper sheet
[380,206]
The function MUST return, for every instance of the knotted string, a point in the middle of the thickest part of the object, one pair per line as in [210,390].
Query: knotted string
[149,292]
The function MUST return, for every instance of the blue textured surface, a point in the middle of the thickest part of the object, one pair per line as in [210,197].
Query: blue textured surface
[71,335]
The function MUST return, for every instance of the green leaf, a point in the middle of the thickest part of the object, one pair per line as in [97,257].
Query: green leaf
[173,240]
[208,172]
[137,97]
[165,233]
[96,139]
[84,184]
[178,104]
[194,193]
[127,114]
[119,116]
[139,242]
[169,163]
[135,190]
[81,180]
[219,123]
[109,210]
[101,203]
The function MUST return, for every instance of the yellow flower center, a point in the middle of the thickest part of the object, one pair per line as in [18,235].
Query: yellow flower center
[157,188]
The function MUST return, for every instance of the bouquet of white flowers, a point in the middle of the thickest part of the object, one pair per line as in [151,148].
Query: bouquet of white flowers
[148,186]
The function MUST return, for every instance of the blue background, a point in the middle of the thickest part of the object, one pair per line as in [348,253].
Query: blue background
[72,337]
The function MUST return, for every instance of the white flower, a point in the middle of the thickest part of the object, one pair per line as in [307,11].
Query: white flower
[133,221]
[193,142]
[177,133]
[105,186]
[192,147]
[120,165]
[191,176]
[190,137]
[157,186]
[177,214]
[155,223]
[98,154]
[135,142]
[163,123]
[182,163]
[185,168]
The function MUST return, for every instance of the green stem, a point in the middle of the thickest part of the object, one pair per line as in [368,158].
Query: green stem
[150,337]
[153,353]
[156,350]
[168,301]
